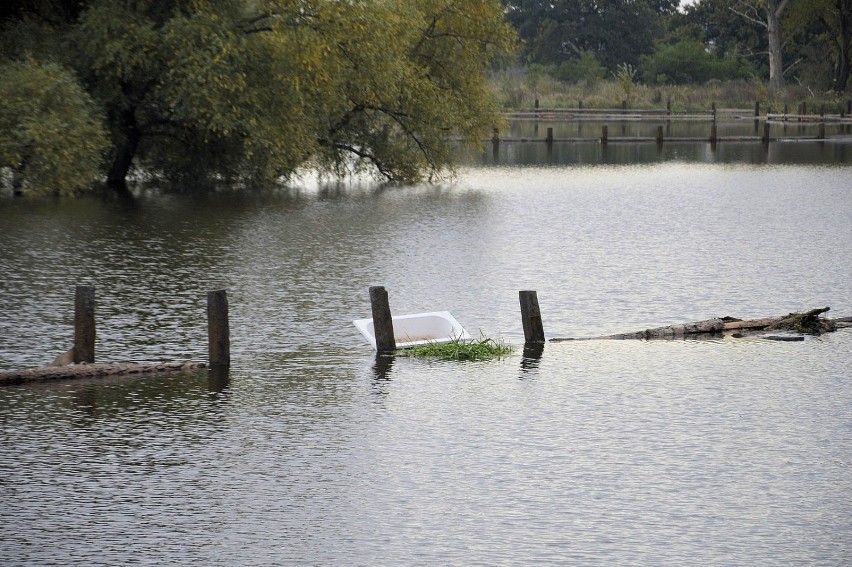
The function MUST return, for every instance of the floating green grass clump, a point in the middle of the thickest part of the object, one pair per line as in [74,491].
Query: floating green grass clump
[460,349]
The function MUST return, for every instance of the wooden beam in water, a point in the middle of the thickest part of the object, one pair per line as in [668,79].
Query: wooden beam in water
[84,324]
[218,329]
[382,320]
[531,318]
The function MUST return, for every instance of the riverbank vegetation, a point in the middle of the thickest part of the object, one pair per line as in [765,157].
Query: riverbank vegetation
[256,90]
[247,90]
[647,52]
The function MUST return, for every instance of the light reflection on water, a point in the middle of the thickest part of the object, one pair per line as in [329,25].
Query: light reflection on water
[312,451]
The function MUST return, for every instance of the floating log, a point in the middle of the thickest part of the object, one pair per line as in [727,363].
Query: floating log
[808,323]
[84,370]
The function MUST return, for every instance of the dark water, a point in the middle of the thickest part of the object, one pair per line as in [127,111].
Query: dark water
[310,451]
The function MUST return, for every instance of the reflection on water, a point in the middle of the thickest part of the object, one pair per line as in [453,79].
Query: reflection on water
[310,449]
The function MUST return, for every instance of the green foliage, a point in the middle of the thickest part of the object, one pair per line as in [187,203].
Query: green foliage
[614,31]
[51,136]
[688,62]
[459,349]
[584,67]
[258,89]
[625,76]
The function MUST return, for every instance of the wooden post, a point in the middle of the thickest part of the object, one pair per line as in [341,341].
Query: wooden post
[604,134]
[536,104]
[804,107]
[623,105]
[713,108]
[713,133]
[382,320]
[549,139]
[84,324]
[849,106]
[757,108]
[218,330]
[495,142]
[766,132]
[669,105]
[531,318]
[821,132]
[659,135]
[785,109]
[580,104]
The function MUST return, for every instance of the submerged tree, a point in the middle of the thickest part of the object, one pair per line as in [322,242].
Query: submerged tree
[51,137]
[259,88]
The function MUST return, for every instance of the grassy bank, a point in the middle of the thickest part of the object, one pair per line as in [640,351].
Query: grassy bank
[518,89]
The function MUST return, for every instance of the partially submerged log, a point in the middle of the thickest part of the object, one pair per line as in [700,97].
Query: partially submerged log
[808,323]
[84,370]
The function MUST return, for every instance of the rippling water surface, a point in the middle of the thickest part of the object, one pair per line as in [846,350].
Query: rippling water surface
[311,451]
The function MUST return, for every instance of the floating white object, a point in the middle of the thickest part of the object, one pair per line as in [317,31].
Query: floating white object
[417,329]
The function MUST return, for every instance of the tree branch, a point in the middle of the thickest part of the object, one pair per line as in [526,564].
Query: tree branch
[752,18]
[365,155]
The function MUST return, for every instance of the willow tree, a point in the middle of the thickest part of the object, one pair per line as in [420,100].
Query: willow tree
[260,88]
[51,138]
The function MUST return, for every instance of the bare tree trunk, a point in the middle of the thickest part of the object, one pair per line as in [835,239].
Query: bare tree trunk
[774,9]
[767,15]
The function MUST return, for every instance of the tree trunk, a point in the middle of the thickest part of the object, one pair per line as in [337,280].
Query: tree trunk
[842,69]
[125,153]
[774,9]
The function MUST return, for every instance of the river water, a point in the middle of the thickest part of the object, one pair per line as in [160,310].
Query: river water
[312,451]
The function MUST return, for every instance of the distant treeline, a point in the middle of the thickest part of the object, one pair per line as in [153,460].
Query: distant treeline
[800,42]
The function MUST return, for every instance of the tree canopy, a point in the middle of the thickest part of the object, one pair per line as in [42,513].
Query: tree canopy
[256,89]
[807,41]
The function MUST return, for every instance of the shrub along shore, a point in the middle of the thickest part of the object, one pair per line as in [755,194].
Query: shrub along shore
[521,88]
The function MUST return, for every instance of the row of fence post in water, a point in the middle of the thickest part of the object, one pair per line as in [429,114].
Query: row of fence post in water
[660,137]
[218,327]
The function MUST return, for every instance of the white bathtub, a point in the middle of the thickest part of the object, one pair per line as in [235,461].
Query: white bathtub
[417,329]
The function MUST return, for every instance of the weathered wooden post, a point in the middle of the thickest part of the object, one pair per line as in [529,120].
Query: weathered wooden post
[495,142]
[713,133]
[660,135]
[669,105]
[549,138]
[766,132]
[821,131]
[604,135]
[756,108]
[785,109]
[580,104]
[218,330]
[713,109]
[84,324]
[382,320]
[531,318]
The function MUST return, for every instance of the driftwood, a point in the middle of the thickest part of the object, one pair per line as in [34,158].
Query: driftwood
[809,323]
[84,370]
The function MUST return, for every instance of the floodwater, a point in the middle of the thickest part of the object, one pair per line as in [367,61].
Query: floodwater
[312,451]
